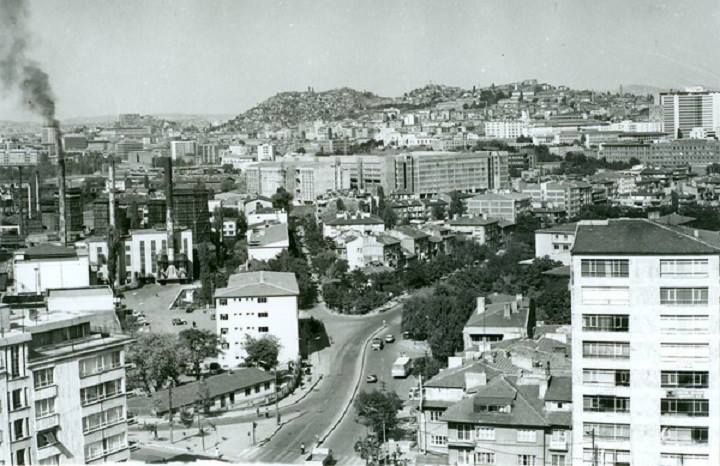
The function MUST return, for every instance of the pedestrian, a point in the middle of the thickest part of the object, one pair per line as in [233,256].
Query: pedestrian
[217,452]
[258,411]
[302,448]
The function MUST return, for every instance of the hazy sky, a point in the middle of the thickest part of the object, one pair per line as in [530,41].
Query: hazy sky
[210,56]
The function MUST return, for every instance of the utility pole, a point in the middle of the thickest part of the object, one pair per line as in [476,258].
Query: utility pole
[170,388]
[277,409]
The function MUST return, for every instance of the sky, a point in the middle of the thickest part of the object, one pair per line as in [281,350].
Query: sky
[223,56]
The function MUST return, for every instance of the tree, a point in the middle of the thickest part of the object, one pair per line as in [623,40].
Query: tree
[389,217]
[368,448]
[457,207]
[378,410]
[282,199]
[200,345]
[339,205]
[228,184]
[227,168]
[323,261]
[186,418]
[262,351]
[153,360]
[438,212]
[241,226]
[204,400]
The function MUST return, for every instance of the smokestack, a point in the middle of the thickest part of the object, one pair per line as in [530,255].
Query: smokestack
[169,217]
[111,192]
[37,193]
[61,185]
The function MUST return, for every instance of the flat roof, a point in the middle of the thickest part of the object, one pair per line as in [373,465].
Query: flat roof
[262,283]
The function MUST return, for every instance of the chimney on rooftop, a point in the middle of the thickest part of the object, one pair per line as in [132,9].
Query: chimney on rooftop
[480,308]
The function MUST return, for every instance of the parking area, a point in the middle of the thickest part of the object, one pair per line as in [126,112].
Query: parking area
[154,300]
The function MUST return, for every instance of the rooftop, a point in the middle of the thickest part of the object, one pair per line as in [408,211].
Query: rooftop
[473,221]
[637,237]
[371,220]
[494,315]
[271,234]
[262,283]
[560,228]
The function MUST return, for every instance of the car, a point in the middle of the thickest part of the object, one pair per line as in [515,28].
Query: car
[389,338]
[177,321]
[406,335]
[189,310]
[372,378]
[377,344]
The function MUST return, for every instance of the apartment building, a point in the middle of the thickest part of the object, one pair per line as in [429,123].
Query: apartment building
[267,241]
[257,304]
[478,229]
[264,178]
[362,224]
[570,196]
[429,174]
[506,206]
[39,268]
[144,251]
[65,386]
[683,111]
[180,149]
[555,242]
[506,129]
[677,153]
[645,320]
[379,250]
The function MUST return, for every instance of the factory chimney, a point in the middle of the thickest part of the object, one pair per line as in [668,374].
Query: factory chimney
[169,217]
[111,193]
[61,185]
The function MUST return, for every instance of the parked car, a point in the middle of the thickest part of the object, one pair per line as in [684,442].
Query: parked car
[377,344]
[372,378]
[189,310]
[406,335]
[389,338]
[177,321]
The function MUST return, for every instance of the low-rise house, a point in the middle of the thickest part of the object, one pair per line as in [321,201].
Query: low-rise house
[478,229]
[267,241]
[498,318]
[414,242]
[511,421]
[239,388]
[380,249]
[363,224]
[555,242]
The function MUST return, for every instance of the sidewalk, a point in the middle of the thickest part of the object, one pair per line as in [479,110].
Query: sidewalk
[233,442]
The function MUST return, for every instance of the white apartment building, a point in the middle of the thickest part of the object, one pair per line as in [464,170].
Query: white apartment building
[265,153]
[143,248]
[505,206]
[693,108]
[65,387]
[257,304]
[645,345]
[39,268]
[264,178]
[555,242]
[179,149]
[506,129]
[267,241]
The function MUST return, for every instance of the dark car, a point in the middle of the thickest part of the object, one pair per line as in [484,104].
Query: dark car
[372,378]
[377,344]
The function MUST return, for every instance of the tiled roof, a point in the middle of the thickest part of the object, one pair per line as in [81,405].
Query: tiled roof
[494,315]
[411,231]
[472,221]
[217,385]
[559,389]
[355,221]
[271,234]
[636,237]
[262,283]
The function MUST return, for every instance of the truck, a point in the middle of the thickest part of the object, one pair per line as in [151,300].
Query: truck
[319,457]
[401,367]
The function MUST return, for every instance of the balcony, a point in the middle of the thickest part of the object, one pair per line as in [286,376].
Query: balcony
[558,444]
[47,422]
[48,391]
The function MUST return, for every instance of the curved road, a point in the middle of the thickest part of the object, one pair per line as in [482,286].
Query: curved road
[322,407]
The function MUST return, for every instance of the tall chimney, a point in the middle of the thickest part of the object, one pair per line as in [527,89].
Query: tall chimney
[61,186]
[111,193]
[169,217]
[37,193]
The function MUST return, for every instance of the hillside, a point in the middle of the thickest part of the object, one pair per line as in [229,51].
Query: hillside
[290,108]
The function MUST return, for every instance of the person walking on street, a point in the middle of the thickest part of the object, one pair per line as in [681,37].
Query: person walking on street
[302,448]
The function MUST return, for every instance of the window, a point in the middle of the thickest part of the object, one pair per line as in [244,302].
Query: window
[684,407]
[683,459]
[105,446]
[44,407]
[248,391]
[17,399]
[612,432]
[262,314]
[684,379]
[676,435]
[684,296]
[606,404]
[605,295]
[607,377]
[675,352]
[604,268]
[464,431]
[46,438]
[435,414]
[102,419]
[526,460]
[99,363]
[557,460]
[223,331]
[262,300]
[683,268]
[101,391]
[438,440]
[257,388]
[526,436]
[485,433]
[20,429]
[223,301]
[606,349]
[266,386]
[465,456]
[484,457]
[263,329]
[223,317]
[15,361]
[605,322]
[684,324]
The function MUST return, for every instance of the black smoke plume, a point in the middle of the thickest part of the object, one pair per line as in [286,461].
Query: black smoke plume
[17,71]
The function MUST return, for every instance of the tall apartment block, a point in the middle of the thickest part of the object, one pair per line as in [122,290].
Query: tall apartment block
[693,108]
[63,390]
[645,338]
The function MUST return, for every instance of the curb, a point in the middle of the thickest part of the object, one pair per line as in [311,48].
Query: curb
[278,428]
[332,428]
